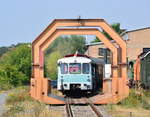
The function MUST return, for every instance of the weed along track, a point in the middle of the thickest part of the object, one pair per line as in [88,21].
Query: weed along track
[80,110]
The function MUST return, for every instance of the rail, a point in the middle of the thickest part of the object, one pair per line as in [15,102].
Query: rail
[68,108]
[95,110]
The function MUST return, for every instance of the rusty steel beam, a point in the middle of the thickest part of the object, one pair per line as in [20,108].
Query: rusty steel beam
[39,87]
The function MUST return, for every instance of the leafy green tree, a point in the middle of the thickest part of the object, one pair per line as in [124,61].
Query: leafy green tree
[20,57]
[10,75]
[116,27]
[62,46]
[51,64]
[16,65]
[68,45]
[3,50]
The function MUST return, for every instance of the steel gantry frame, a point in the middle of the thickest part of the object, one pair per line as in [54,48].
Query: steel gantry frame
[39,88]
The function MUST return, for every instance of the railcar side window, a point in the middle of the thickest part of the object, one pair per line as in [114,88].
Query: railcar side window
[85,68]
[64,68]
[74,68]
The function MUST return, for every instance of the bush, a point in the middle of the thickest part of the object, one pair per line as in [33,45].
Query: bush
[21,105]
[133,100]
[5,86]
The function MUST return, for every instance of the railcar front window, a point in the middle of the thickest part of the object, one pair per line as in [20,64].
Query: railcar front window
[86,68]
[64,68]
[74,68]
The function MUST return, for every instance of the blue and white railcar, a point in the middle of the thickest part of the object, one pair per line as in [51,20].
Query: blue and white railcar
[76,72]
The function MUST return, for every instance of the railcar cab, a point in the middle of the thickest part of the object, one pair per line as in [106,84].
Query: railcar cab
[74,72]
[78,73]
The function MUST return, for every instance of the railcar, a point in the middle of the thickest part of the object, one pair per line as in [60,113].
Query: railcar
[79,72]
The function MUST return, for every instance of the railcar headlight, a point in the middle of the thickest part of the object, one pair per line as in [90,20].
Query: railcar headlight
[85,85]
[88,86]
[65,85]
[88,80]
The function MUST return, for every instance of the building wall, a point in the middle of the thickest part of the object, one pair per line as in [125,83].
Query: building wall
[93,51]
[137,41]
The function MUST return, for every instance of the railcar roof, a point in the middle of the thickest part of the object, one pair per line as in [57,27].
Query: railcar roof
[81,60]
[75,59]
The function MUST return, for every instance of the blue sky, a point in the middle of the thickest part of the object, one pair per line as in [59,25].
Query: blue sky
[23,20]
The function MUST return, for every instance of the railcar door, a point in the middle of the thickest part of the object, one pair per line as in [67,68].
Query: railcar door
[93,75]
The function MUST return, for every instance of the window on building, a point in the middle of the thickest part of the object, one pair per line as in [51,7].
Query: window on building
[146,49]
[103,51]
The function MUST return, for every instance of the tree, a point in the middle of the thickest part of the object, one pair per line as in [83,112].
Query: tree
[10,75]
[51,64]
[16,65]
[62,46]
[3,50]
[68,45]
[116,27]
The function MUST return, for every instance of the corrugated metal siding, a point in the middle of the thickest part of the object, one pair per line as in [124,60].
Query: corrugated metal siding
[145,71]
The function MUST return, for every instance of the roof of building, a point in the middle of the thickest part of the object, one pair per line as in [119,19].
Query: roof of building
[122,34]
[98,43]
[138,29]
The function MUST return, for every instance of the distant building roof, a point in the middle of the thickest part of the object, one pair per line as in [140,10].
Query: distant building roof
[98,43]
[122,35]
[138,29]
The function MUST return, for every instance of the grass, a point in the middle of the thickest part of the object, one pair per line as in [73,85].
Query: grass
[5,87]
[18,95]
[120,111]
[137,99]
[20,104]
[136,105]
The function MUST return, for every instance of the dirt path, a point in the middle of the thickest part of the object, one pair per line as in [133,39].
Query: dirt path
[2,102]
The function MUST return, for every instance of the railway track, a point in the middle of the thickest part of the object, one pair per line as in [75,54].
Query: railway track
[68,108]
[89,110]
[97,112]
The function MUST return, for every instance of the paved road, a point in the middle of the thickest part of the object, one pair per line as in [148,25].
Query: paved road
[2,102]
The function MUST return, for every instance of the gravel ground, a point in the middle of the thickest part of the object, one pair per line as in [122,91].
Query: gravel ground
[61,109]
[82,111]
[103,111]
[2,102]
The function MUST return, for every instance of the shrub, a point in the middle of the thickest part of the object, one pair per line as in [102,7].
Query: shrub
[133,100]
[21,105]
[5,86]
